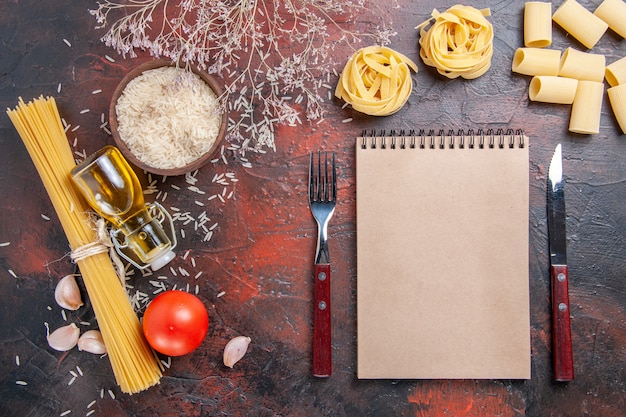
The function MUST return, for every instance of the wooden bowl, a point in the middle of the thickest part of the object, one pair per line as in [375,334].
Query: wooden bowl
[214,83]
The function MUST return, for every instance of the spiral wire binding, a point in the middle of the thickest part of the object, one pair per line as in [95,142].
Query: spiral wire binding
[422,140]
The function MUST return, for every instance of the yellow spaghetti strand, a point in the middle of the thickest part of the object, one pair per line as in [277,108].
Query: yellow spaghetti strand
[135,365]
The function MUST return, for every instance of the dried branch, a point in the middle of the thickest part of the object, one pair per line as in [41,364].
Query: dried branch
[275,56]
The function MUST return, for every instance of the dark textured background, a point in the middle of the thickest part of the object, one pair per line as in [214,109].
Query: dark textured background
[261,253]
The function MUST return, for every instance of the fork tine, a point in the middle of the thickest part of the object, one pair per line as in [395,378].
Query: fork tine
[324,179]
[311,178]
[334,179]
[320,179]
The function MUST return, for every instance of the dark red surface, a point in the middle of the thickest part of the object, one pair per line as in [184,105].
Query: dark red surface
[261,253]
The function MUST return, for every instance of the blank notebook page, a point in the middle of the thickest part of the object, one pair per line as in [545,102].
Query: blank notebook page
[442,259]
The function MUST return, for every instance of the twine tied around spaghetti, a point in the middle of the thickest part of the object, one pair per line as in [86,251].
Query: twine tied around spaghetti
[101,244]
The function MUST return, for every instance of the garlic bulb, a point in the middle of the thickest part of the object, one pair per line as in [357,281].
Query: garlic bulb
[235,350]
[67,293]
[91,341]
[64,338]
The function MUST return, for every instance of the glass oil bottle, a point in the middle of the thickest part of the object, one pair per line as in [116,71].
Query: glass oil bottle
[112,189]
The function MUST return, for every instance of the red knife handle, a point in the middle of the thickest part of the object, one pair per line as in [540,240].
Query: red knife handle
[322,357]
[563,361]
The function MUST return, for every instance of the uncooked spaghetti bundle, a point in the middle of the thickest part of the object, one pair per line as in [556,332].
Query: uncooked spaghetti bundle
[459,43]
[376,81]
[135,365]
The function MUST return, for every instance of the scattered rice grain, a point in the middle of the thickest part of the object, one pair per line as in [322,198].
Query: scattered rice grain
[43,216]
[67,42]
[91,404]
[90,413]
[72,380]
[111,394]
[13,274]
[83,111]
[108,58]
[21,383]
[167,363]
[3,244]
[17,360]
[98,91]
[221,294]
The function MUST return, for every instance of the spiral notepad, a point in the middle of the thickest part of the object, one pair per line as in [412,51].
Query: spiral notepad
[442,255]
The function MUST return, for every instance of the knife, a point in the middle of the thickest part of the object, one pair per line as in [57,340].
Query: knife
[563,362]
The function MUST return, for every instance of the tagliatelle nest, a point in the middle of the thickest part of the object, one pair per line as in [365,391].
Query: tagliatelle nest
[376,81]
[459,43]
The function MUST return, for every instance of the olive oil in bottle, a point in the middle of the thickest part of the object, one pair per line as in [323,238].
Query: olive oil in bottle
[112,189]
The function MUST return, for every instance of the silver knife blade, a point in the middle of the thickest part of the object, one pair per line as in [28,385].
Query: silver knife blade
[563,363]
[556,210]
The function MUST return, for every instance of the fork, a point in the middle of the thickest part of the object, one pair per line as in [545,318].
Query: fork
[322,200]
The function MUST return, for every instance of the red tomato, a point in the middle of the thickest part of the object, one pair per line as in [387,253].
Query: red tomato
[175,323]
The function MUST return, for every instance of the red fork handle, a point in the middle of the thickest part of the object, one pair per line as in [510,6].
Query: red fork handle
[322,357]
[562,357]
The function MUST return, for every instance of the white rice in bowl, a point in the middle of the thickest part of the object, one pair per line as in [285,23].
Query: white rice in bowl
[168,117]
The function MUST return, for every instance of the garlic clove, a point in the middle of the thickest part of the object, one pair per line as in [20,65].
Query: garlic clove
[64,338]
[67,293]
[235,350]
[91,341]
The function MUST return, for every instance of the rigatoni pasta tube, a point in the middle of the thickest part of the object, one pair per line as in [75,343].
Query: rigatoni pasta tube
[551,89]
[586,108]
[536,61]
[615,72]
[537,24]
[613,12]
[582,65]
[617,98]
[580,22]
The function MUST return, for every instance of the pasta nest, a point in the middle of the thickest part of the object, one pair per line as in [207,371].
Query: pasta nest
[376,81]
[459,43]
